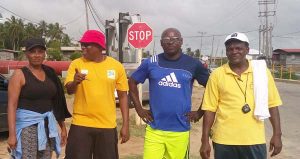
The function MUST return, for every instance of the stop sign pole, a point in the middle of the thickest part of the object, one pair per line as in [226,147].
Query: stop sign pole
[139,35]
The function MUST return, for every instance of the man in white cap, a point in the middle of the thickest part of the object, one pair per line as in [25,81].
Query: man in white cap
[230,107]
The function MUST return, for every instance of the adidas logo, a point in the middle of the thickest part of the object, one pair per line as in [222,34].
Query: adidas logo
[169,81]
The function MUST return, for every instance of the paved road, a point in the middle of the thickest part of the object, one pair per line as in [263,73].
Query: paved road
[290,118]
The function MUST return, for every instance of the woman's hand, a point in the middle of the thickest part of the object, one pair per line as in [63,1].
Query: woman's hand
[12,142]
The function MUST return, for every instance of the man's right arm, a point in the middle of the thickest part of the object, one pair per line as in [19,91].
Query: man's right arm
[134,94]
[72,85]
[208,121]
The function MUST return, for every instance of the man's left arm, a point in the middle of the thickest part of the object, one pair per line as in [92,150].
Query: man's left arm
[275,143]
[122,89]
[123,101]
[274,101]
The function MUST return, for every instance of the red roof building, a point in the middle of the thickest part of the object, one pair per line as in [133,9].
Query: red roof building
[286,57]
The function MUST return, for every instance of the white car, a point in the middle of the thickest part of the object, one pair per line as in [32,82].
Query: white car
[130,68]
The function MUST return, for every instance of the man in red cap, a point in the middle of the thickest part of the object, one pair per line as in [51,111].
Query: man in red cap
[93,78]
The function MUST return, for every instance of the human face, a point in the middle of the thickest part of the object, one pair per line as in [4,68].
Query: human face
[90,51]
[236,52]
[36,56]
[171,42]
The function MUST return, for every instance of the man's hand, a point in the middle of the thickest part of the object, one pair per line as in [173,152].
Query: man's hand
[146,115]
[124,134]
[205,150]
[275,145]
[78,77]
[194,116]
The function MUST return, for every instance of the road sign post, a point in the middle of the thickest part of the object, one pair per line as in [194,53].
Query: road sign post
[139,35]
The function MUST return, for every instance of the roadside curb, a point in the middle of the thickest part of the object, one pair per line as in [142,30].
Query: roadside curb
[287,81]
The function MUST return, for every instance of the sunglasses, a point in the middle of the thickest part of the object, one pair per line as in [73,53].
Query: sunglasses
[86,45]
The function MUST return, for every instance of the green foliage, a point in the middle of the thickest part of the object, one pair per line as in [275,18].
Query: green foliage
[286,75]
[75,55]
[189,52]
[197,53]
[54,54]
[135,130]
[15,31]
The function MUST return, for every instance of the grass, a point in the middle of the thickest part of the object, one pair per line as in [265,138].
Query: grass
[135,130]
[133,157]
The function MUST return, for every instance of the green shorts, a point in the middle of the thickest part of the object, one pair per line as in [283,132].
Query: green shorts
[166,144]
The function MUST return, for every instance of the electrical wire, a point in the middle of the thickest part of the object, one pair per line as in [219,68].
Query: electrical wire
[96,13]
[18,15]
[94,17]
[74,20]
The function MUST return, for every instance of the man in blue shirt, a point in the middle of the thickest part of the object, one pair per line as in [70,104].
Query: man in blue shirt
[171,75]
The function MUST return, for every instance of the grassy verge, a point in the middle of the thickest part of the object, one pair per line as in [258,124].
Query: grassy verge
[135,130]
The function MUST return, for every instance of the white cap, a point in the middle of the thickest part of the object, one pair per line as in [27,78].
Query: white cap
[239,36]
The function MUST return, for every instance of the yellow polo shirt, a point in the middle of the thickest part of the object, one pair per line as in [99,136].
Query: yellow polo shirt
[223,96]
[94,102]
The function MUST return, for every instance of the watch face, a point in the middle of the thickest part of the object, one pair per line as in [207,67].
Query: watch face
[246,108]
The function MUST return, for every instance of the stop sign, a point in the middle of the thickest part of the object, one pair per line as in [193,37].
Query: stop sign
[139,35]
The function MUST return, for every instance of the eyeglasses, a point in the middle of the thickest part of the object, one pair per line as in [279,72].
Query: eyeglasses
[171,39]
[86,45]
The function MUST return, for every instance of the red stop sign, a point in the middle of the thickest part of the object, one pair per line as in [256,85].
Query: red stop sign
[139,35]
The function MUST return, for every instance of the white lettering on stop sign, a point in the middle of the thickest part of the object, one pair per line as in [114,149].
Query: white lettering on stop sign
[139,35]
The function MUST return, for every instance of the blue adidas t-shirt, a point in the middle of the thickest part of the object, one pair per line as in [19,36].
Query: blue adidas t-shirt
[170,88]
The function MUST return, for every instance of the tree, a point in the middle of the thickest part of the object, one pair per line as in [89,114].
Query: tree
[75,55]
[197,53]
[54,51]
[189,52]
[66,41]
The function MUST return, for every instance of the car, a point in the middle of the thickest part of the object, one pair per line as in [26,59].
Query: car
[3,103]
[130,68]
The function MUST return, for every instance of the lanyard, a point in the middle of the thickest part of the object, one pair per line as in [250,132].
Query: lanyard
[244,93]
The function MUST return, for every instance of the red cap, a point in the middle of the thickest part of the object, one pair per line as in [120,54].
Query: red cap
[94,36]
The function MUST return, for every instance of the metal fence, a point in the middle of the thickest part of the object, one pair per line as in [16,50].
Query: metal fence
[286,72]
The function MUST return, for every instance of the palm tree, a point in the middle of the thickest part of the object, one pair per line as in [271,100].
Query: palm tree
[42,28]
[16,31]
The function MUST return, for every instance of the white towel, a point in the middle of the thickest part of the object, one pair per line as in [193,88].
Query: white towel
[260,82]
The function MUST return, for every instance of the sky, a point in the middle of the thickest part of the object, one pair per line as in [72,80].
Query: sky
[191,17]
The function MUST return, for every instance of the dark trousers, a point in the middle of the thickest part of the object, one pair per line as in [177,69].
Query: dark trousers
[92,143]
[240,151]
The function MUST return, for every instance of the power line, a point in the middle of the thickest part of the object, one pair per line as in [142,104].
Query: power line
[18,15]
[74,20]
[225,34]
[96,13]
[94,17]
[287,34]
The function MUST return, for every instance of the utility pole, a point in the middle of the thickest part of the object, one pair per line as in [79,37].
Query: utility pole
[265,30]
[202,33]
[86,14]
[212,49]
[123,25]
[110,35]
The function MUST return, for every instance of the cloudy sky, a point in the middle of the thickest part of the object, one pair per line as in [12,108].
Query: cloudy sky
[191,17]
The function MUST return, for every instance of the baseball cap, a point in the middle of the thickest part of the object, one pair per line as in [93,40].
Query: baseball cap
[34,42]
[94,36]
[238,36]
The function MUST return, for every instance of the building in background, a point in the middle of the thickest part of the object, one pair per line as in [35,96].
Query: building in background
[286,57]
